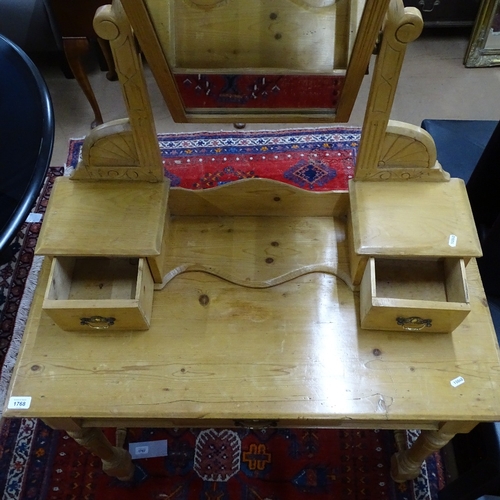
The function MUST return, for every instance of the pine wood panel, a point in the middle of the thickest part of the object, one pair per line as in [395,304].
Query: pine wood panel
[258,197]
[294,352]
[256,252]
[293,34]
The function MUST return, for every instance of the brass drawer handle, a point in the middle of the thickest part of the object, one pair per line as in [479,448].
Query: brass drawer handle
[414,323]
[255,424]
[423,8]
[98,322]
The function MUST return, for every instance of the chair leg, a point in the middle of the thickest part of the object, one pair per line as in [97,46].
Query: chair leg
[75,49]
[108,57]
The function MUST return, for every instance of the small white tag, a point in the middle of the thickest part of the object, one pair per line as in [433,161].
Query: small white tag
[457,381]
[32,217]
[148,449]
[453,240]
[19,403]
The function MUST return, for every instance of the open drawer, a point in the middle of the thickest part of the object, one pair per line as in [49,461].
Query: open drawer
[96,293]
[413,295]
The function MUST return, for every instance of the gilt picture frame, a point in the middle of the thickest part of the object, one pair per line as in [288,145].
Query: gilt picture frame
[484,46]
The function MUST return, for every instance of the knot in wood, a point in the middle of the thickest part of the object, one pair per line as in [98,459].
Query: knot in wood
[204,300]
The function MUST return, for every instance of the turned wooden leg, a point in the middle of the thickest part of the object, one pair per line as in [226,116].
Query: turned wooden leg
[406,463]
[121,436]
[75,49]
[116,462]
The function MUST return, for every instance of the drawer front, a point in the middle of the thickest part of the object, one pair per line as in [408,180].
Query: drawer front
[412,319]
[128,306]
[401,295]
[83,318]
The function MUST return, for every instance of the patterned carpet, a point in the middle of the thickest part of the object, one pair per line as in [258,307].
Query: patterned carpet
[291,464]
[223,464]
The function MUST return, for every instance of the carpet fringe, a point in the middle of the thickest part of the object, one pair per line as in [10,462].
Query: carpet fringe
[20,459]
[21,318]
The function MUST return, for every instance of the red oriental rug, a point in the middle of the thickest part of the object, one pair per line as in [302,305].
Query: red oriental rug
[39,463]
[313,159]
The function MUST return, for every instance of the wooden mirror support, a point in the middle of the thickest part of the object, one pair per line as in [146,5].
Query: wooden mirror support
[128,149]
[125,149]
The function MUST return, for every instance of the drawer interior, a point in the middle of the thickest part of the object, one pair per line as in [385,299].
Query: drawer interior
[94,278]
[414,294]
[431,280]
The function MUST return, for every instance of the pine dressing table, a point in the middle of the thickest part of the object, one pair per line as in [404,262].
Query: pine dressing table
[258,304]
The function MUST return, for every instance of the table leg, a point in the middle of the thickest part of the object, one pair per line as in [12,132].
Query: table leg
[406,463]
[117,462]
[75,49]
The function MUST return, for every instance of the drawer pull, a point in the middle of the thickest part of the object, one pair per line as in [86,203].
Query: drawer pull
[423,8]
[255,424]
[97,322]
[414,323]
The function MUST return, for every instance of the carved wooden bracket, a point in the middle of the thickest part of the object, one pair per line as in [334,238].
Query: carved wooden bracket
[124,149]
[394,150]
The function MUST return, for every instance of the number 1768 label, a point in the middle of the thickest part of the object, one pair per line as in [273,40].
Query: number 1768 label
[19,403]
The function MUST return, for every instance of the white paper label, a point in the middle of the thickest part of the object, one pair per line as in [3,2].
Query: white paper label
[149,449]
[453,240]
[19,403]
[32,217]
[457,381]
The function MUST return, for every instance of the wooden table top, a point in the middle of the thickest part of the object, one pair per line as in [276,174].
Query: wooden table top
[293,353]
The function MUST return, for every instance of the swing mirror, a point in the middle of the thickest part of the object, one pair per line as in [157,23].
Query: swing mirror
[265,60]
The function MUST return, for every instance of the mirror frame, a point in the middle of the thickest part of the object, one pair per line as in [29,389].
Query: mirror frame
[478,55]
[370,25]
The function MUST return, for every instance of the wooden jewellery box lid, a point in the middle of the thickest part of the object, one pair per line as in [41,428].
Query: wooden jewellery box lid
[111,218]
[403,219]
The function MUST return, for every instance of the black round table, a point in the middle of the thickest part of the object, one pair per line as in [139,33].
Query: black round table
[26,139]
